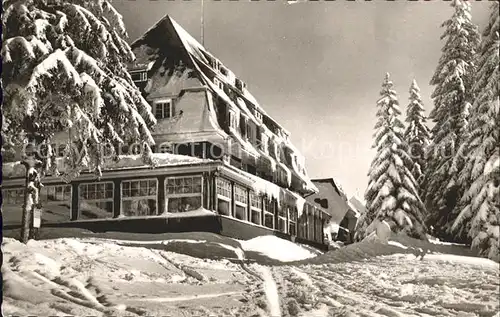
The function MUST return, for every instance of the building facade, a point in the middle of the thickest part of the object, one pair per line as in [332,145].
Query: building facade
[224,165]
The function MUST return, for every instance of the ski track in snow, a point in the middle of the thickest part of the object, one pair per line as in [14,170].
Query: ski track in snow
[270,290]
[83,278]
[71,277]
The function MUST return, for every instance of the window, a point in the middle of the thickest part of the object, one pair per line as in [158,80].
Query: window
[215,64]
[243,125]
[264,143]
[311,223]
[302,223]
[139,76]
[256,208]
[13,196]
[249,134]
[183,193]
[223,196]
[12,206]
[233,120]
[55,200]
[164,109]
[218,83]
[282,175]
[139,197]
[269,212]
[282,222]
[241,202]
[258,115]
[55,194]
[240,84]
[56,203]
[96,200]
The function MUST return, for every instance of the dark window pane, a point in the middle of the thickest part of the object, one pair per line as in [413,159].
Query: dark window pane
[95,210]
[139,207]
[183,204]
[255,216]
[269,220]
[240,213]
[223,207]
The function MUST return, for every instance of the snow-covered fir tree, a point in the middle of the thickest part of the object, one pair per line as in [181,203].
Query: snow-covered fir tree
[64,65]
[392,193]
[452,98]
[64,68]
[479,207]
[417,134]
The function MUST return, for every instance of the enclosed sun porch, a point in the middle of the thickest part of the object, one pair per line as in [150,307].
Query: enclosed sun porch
[180,194]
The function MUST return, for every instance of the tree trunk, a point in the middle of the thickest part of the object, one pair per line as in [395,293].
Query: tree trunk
[31,197]
[27,208]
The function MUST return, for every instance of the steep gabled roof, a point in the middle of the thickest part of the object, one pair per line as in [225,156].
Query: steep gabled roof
[358,204]
[167,37]
[335,184]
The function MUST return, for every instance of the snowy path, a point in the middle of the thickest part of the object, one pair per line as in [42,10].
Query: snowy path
[397,285]
[72,277]
[187,298]
[270,290]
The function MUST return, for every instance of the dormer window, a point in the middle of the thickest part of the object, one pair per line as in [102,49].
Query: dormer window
[258,116]
[139,76]
[240,84]
[215,64]
[164,109]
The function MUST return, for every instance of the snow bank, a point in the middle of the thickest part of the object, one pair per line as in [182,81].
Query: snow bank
[444,258]
[277,248]
[457,259]
[434,240]
[397,244]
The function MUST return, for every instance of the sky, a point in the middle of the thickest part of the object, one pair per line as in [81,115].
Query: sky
[317,67]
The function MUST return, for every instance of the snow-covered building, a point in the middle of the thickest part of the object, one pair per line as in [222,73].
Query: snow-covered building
[343,214]
[203,109]
[224,165]
[350,221]
[332,199]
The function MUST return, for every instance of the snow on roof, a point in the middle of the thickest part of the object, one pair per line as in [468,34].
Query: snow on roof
[15,169]
[196,49]
[141,66]
[353,208]
[334,182]
[162,159]
[358,204]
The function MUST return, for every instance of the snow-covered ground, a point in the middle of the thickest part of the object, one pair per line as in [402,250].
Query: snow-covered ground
[98,277]
[278,249]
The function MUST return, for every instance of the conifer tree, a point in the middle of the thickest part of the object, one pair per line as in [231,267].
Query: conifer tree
[417,134]
[452,97]
[479,212]
[392,193]
[64,68]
